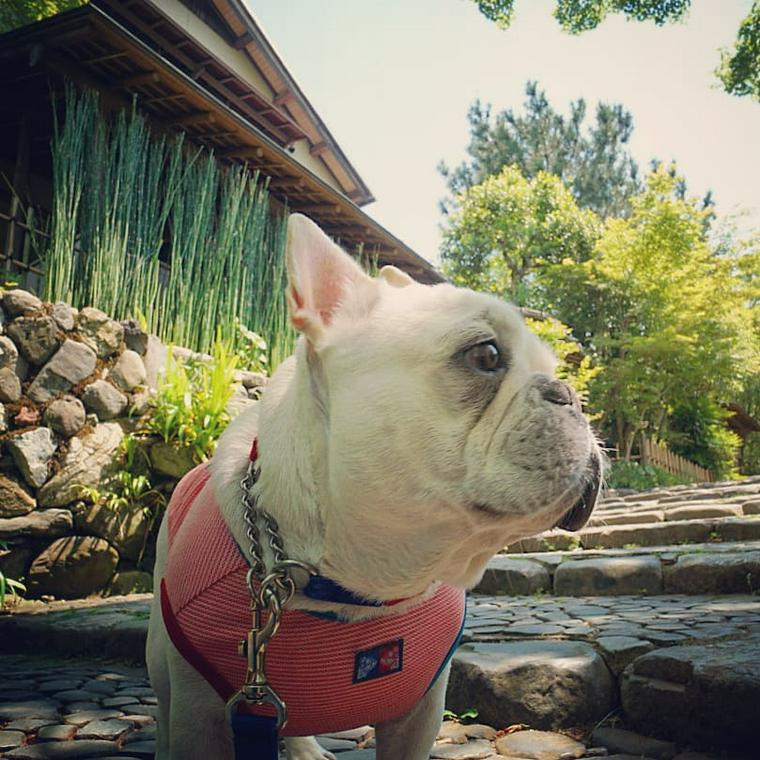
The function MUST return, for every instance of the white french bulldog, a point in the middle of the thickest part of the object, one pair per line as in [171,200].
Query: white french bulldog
[416,431]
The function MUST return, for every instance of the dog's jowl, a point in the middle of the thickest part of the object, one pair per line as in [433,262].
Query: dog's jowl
[416,431]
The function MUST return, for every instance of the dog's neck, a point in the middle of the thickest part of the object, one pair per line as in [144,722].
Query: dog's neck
[292,426]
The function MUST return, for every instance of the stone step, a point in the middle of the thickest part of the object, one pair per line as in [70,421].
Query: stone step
[691,531]
[696,569]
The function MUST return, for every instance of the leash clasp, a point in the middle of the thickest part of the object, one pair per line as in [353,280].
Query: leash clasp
[261,694]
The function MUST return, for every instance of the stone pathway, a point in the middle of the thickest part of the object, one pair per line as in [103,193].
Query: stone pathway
[640,648]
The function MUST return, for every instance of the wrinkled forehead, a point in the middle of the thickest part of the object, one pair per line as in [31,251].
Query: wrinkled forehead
[443,319]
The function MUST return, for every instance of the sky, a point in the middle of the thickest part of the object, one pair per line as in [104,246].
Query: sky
[393,81]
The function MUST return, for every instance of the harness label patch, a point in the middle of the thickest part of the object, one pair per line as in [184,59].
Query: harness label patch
[382,660]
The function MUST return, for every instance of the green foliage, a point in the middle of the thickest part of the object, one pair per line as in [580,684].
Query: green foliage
[189,408]
[594,163]
[739,70]
[119,192]
[469,714]
[657,310]
[697,431]
[9,587]
[750,458]
[251,349]
[509,227]
[15,13]
[573,367]
[640,477]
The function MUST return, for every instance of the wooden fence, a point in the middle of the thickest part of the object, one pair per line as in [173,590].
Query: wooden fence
[654,453]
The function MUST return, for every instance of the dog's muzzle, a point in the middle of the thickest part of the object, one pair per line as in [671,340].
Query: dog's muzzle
[577,516]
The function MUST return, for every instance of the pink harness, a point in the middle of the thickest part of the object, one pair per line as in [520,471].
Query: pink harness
[332,675]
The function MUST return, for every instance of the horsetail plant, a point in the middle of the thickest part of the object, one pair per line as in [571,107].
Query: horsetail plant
[153,228]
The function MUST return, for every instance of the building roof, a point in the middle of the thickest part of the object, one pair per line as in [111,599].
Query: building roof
[255,115]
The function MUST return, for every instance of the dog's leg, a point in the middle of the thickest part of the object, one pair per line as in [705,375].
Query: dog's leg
[411,736]
[156,655]
[306,748]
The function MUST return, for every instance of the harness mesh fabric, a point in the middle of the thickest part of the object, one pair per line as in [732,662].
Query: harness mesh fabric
[312,663]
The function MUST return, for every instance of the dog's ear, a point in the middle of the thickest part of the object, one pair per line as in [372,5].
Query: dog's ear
[395,277]
[321,277]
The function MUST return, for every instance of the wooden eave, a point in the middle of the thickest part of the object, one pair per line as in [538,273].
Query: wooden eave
[289,96]
[92,48]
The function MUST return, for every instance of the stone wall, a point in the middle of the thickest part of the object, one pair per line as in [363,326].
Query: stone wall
[72,384]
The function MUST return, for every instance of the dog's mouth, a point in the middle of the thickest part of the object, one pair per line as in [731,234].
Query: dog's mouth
[577,516]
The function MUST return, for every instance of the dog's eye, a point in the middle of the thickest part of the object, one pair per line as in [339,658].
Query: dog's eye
[484,357]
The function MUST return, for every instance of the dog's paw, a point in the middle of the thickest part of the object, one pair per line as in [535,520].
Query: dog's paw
[306,748]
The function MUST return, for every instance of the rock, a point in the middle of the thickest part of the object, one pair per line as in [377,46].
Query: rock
[539,745]
[102,334]
[130,582]
[26,417]
[32,451]
[630,743]
[459,733]
[724,573]
[504,575]
[658,534]
[238,403]
[14,500]
[16,302]
[72,567]
[546,684]
[15,560]
[135,338]
[608,576]
[44,523]
[703,511]
[154,360]
[37,708]
[11,740]
[141,402]
[72,363]
[619,651]
[58,733]
[65,415]
[104,729]
[475,750]
[129,371]
[8,353]
[250,380]
[64,315]
[125,528]
[89,462]
[10,385]
[35,337]
[22,368]
[83,717]
[71,750]
[171,460]
[104,399]
[3,419]
[699,695]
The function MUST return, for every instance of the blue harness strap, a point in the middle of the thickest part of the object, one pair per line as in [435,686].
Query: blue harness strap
[255,737]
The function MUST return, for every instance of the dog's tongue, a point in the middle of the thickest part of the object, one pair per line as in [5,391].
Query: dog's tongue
[577,516]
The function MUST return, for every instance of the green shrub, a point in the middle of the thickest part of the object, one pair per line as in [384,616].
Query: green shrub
[640,477]
[751,455]
[189,408]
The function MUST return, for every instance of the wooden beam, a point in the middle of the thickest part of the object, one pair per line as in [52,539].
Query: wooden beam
[241,151]
[242,41]
[194,117]
[164,98]
[101,58]
[145,77]
[319,148]
[282,98]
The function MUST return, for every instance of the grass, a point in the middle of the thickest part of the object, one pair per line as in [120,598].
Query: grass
[153,229]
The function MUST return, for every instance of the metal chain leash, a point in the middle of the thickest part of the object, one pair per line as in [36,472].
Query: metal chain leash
[275,589]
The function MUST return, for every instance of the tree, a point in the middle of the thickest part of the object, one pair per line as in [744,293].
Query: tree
[15,13]
[665,318]
[739,72]
[504,230]
[594,163]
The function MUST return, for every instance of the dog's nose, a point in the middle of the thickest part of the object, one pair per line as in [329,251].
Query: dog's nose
[557,392]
